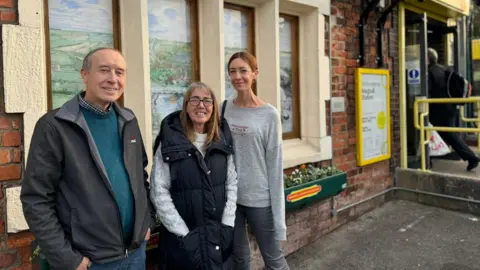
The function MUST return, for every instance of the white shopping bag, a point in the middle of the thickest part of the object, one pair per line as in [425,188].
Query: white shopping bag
[437,145]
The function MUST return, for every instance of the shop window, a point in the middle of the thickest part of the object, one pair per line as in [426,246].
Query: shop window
[289,81]
[238,36]
[73,28]
[173,43]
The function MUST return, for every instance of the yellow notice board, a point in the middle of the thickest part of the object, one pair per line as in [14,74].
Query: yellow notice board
[372,115]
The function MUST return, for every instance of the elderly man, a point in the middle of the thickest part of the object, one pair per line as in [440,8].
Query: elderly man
[85,193]
[443,115]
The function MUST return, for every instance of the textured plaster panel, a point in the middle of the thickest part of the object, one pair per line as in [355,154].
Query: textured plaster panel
[212,57]
[135,49]
[24,69]
[15,219]
[268,52]
[305,6]
[25,87]
[31,13]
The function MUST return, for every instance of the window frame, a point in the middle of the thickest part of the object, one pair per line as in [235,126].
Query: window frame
[195,34]
[116,30]
[250,11]
[294,37]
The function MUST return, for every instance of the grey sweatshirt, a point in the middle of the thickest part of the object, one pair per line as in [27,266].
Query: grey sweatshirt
[257,139]
[162,200]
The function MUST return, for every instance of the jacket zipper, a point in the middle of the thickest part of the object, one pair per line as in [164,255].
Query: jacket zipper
[113,195]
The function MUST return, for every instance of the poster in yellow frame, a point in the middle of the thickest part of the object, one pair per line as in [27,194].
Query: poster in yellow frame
[372,115]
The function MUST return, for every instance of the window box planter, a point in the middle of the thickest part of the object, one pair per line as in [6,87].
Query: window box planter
[309,185]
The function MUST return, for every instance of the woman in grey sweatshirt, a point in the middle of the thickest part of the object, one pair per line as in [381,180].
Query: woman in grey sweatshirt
[257,140]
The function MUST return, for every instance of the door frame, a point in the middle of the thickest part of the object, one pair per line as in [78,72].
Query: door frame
[402,6]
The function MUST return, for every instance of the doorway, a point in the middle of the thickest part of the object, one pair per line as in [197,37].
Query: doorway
[433,35]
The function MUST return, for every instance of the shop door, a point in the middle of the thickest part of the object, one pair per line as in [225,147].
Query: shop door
[420,34]
[416,45]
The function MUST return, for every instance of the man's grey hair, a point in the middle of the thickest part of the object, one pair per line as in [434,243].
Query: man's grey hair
[432,56]
[87,61]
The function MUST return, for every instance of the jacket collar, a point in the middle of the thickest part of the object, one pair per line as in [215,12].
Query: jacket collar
[70,111]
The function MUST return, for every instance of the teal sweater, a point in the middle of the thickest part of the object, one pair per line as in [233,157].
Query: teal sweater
[106,134]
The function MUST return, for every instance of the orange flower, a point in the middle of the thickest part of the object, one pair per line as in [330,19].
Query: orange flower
[303,166]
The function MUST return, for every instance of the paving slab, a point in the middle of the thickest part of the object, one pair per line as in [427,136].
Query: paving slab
[397,235]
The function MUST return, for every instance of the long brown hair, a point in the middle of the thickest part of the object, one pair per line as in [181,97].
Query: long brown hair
[212,125]
[247,57]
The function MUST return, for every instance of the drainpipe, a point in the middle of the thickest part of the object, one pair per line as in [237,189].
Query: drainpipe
[332,162]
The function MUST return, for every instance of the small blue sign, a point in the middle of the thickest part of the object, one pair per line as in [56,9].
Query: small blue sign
[414,76]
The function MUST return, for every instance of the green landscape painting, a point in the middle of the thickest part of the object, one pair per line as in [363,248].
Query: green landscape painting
[235,39]
[67,50]
[170,56]
[76,27]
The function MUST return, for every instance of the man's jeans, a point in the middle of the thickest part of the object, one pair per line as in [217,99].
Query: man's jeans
[135,261]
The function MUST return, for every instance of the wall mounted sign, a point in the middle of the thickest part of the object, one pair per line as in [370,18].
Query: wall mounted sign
[372,109]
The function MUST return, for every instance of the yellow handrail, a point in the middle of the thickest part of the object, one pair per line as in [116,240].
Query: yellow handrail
[420,125]
[472,120]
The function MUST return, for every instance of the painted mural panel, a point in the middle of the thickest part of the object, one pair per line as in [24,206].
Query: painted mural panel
[286,75]
[235,40]
[170,45]
[76,27]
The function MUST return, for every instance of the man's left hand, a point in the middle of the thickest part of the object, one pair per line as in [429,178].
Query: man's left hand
[147,237]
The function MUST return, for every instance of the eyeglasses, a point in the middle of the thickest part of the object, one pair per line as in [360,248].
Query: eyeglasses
[195,101]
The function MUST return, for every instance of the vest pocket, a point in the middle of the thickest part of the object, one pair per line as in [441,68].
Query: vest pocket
[191,247]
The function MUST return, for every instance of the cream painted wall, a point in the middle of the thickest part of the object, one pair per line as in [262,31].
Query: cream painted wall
[24,72]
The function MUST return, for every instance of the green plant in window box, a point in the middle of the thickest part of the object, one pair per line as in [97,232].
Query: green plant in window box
[310,183]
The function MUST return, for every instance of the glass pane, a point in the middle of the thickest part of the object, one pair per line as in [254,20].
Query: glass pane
[76,27]
[235,39]
[286,74]
[170,56]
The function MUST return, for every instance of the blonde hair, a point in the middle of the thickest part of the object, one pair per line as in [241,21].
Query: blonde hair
[213,124]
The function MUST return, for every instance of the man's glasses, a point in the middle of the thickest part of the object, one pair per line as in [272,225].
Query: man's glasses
[195,101]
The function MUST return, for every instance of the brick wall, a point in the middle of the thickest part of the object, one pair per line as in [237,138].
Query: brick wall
[367,180]
[14,248]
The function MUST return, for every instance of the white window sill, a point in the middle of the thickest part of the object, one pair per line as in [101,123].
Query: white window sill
[297,152]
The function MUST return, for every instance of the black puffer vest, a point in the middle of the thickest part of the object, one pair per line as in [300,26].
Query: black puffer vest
[198,193]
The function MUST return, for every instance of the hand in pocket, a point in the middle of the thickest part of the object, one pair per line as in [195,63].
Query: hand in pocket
[191,246]
[226,241]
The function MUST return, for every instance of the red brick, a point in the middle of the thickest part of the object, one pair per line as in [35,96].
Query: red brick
[4,123]
[16,124]
[10,172]
[17,155]
[2,226]
[6,3]
[11,138]
[8,16]
[20,240]
[340,70]
[7,259]
[5,156]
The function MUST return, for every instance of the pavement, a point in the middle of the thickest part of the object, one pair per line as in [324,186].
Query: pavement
[397,235]
[456,167]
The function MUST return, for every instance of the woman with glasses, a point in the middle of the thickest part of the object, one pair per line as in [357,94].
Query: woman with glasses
[194,185]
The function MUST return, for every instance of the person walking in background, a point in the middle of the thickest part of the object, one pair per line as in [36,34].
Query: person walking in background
[256,130]
[194,185]
[85,193]
[443,115]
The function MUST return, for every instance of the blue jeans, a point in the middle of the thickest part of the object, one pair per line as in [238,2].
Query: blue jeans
[134,261]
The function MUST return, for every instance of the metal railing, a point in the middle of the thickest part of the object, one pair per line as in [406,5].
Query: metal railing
[421,111]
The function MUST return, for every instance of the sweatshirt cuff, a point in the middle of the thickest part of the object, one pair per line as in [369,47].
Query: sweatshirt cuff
[281,234]
[228,220]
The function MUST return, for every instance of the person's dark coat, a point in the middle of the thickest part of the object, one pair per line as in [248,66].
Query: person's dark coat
[199,195]
[67,200]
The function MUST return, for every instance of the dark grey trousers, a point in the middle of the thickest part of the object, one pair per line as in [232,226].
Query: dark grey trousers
[261,222]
